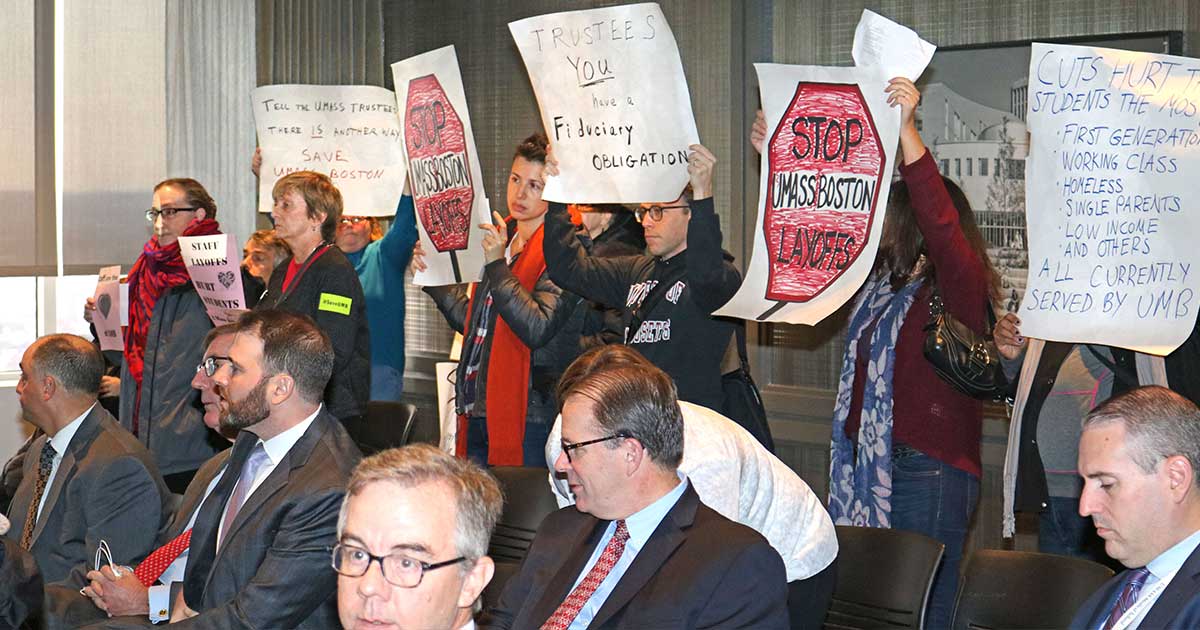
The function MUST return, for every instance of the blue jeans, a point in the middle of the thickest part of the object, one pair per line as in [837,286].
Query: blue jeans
[533,447]
[937,500]
[1062,531]
[387,383]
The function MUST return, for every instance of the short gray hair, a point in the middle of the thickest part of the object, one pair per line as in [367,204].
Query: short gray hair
[1159,423]
[478,499]
[73,361]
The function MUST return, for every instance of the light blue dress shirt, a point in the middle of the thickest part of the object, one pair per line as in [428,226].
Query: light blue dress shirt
[640,525]
[1165,564]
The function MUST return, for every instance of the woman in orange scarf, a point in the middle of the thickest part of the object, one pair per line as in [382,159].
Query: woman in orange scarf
[518,333]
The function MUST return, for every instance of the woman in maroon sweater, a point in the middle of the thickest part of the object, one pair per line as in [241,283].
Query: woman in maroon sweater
[905,450]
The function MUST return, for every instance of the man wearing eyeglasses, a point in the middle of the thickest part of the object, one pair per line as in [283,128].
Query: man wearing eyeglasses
[669,294]
[638,549]
[412,541]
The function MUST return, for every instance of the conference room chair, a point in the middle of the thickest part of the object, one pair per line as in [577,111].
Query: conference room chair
[387,424]
[527,500]
[504,571]
[1020,590]
[884,578]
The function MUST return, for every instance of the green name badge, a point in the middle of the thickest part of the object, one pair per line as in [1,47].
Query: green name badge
[335,303]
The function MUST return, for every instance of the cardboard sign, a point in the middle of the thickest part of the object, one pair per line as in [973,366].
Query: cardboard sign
[614,103]
[107,316]
[446,180]
[1110,179]
[348,132]
[216,275]
[824,186]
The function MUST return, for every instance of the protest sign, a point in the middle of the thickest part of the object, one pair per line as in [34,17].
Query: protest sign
[897,49]
[216,275]
[1115,153]
[443,166]
[824,183]
[348,132]
[107,316]
[614,103]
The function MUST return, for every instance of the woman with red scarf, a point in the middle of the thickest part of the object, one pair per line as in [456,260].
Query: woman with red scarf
[164,341]
[518,333]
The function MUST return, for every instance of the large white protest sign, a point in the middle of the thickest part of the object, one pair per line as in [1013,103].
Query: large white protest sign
[216,274]
[443,165]
[1114,162]
[826,171]
[614,102]
[107,316]
[348,132]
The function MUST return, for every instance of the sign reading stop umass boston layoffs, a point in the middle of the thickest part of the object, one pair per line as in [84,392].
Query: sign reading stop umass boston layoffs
[443,166]
[829,149]
[1111,189]
[614,102]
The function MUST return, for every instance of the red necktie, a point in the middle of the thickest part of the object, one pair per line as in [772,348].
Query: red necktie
[153,566]
[566,612]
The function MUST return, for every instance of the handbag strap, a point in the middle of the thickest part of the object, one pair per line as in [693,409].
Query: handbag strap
[739,330]
[937,309]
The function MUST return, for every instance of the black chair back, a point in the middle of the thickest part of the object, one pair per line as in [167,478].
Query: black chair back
[491,593]
[884,578]
[423,428]
[1019,589]
[385,425]
[527,500]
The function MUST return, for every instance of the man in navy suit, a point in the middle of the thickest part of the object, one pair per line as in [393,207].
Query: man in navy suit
[638,549]
[1139,455]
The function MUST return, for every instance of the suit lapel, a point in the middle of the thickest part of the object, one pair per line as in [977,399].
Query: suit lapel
[558,587]
[669,534]
[204,532]
[22,500]
[195,494]
[83,438]
[1181,589]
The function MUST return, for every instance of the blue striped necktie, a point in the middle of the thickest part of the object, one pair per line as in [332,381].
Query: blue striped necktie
[1128,596]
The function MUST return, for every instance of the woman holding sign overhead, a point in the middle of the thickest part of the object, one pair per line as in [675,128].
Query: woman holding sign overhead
[164,341]
[319,282]
[905,448]
[518,332]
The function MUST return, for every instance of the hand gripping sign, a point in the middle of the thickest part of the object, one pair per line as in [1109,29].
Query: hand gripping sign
[443,166]
[438,164]
[828,154]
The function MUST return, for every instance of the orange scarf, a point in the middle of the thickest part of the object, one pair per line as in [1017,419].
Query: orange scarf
[508,370]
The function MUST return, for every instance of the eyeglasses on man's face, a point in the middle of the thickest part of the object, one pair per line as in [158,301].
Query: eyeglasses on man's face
[166,213]
[209,365]
[654,212]
[567,447]
[397,568]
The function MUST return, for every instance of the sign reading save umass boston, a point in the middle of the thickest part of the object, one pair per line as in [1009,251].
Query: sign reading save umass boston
[825,177]
[443,166]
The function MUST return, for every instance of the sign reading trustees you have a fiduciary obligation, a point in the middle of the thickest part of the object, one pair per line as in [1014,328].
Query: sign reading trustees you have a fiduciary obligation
[443,166]
[826,167]
[348,132]
[1110,189]
[614,103]
[107,316]
[216,275]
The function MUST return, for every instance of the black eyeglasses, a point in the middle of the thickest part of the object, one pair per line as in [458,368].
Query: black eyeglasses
[567,447]
[166,213]
[654,212]
[397,568]
[209,365]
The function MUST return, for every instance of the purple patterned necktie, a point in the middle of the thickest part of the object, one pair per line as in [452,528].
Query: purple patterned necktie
[1128,596]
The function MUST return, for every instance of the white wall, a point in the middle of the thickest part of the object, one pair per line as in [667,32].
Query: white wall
[13,430]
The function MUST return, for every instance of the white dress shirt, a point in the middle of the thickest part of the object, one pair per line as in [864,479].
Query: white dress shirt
[60,442]
[734,475]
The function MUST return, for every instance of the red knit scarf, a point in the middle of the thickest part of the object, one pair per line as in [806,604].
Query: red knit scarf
[156,270]
[508,368]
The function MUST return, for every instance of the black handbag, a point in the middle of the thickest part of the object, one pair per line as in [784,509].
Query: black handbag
[969,362]
[743,402]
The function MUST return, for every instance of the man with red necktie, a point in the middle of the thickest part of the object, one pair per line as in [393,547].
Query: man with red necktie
[1138,455]
[638,548]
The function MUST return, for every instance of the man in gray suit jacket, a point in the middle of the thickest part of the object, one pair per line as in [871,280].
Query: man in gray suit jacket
[262,515]
[87,480]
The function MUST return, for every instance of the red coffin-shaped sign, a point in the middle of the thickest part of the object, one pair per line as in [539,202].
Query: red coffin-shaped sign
[824,177]
[438,168]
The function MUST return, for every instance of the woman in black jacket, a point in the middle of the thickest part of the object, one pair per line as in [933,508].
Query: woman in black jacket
[518,333]
[319,282]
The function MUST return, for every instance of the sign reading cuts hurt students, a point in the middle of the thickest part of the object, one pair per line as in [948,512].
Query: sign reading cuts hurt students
[824,186]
